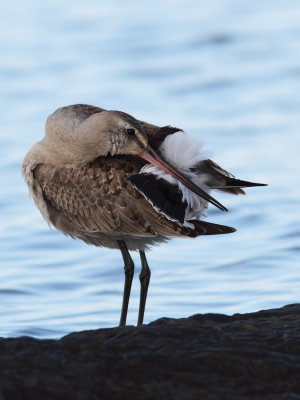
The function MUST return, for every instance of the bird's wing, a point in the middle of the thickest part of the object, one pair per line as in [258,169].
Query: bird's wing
[97,198]
[218,178]
[159,136]
[164,197]
[156,135]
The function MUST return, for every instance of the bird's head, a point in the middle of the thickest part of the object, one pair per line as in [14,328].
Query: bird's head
[80,139]
[115,133]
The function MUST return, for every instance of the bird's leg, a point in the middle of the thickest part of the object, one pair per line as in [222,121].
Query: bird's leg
[129,272]
[144,279]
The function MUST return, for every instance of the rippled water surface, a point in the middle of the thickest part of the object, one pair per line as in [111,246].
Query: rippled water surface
[226,71]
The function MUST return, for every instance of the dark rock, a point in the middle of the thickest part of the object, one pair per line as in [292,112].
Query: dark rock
[211,356]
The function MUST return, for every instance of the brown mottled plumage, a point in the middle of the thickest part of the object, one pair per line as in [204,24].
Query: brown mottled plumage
[96,197]
[82,178]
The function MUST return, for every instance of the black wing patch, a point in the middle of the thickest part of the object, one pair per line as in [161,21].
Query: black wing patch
[164,197]
[156,140]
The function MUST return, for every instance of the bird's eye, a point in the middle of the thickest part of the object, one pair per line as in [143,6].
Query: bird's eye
[130,132]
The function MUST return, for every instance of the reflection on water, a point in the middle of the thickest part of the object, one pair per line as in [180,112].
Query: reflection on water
[224,70]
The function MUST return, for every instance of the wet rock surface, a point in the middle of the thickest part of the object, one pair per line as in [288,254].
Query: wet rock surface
[211,356]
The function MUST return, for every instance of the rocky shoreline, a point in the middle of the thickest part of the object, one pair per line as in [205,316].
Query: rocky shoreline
[210,356]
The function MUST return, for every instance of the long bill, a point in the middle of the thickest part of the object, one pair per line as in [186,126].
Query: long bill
[152,157]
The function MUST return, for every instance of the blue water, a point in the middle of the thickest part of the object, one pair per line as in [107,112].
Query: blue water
[227,71]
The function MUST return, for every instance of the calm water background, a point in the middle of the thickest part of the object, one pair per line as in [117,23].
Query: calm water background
[226,71]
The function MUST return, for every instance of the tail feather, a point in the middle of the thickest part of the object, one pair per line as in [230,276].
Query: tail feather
[220,179]
[208,228]
[235,186]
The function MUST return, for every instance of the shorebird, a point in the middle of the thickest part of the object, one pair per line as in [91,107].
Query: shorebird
[118,182]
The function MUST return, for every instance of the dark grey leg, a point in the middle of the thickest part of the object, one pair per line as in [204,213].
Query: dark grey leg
[129,272]
[144,279]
